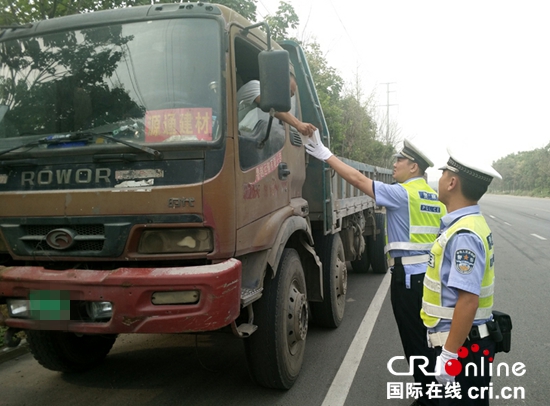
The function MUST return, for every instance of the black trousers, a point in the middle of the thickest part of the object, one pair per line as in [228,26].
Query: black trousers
[406,304]
[474,388]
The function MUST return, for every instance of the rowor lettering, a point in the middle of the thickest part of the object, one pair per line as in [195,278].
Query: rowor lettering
[65,176]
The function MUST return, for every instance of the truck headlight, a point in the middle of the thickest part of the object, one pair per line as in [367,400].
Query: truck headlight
[175,241]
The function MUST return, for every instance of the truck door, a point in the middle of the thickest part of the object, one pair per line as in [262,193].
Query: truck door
[263,176]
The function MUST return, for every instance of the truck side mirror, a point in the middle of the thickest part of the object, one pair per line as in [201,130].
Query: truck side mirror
[274,80]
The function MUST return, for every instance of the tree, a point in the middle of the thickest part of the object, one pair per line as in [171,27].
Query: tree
[526,172]
[285,17]
[246,8]
[329,85]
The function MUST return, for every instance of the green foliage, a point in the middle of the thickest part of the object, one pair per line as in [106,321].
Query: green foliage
[329,85]
[285,17]
[525,173]
[246,8]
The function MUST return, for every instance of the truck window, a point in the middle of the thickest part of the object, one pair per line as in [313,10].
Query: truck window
[253,122]
[161,78]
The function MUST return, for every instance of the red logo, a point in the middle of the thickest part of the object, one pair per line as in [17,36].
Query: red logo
[454,367]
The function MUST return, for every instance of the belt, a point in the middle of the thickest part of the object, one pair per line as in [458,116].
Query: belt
[415,259]
[439,339]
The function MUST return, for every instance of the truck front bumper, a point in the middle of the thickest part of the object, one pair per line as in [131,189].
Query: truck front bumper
[131,291]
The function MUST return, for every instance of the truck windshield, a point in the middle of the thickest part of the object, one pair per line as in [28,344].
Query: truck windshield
[159,78]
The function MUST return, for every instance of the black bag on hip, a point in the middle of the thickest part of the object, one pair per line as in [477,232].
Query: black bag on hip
[500,330]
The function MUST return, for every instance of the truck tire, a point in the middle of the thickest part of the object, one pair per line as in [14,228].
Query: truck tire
[276,350]
[379,261]
[330,312]
[68,352]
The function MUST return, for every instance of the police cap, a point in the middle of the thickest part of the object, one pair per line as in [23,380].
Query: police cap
[409,151]
[465,166]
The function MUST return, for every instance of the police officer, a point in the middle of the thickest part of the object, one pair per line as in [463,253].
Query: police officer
[459,283]
[413,218]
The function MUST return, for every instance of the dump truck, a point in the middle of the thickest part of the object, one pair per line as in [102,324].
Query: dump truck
[132,202]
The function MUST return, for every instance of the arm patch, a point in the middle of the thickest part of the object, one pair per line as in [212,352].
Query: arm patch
[464,261]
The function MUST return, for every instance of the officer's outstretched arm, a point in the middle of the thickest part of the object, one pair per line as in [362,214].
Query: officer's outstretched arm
[352,175]
[316,148]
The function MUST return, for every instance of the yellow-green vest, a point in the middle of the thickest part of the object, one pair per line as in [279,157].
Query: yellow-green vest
[425,212]
[432,310]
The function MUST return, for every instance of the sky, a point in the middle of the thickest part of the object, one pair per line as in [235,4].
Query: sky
[470,75]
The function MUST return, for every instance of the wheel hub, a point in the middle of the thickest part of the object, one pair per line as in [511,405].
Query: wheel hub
[297,318]
[342,275]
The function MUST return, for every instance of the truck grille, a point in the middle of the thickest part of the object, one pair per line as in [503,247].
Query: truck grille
[92,229]
[40,238]
[88,237]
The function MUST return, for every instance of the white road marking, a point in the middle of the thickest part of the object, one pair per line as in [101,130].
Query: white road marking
[508,224]
[539,237]
[341,384]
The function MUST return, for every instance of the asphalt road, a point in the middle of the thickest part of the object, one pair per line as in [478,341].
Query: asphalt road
[341,367]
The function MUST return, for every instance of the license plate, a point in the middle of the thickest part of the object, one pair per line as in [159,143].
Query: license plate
[50,305]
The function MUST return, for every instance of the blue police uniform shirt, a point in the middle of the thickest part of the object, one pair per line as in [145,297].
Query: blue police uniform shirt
[395,199]
[451,278]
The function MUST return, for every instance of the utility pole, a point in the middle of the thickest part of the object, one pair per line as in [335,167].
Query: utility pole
[388,105]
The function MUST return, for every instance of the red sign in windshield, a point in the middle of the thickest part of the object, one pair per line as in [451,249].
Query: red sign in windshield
[174,125]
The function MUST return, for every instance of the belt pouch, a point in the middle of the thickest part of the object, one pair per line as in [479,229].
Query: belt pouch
[505,324]
[494,331]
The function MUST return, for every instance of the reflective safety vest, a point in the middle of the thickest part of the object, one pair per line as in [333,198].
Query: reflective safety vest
[425,212]
[432,310]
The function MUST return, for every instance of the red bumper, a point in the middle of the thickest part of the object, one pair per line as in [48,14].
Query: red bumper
[130,291]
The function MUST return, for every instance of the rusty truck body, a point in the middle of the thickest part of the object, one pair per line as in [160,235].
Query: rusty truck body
[131,202]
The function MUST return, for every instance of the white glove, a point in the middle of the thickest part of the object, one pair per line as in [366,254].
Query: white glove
[315,147]
[442,376]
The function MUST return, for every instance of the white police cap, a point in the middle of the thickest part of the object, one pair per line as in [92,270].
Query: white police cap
[409,151]
[478,172]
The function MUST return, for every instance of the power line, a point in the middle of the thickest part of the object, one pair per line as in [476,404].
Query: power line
[344,27]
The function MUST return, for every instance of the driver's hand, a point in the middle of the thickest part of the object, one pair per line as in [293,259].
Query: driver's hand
[306,129]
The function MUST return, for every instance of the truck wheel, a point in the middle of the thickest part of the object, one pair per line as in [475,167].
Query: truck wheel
[379,260]
[276,350]
[68,352]
[330,312]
